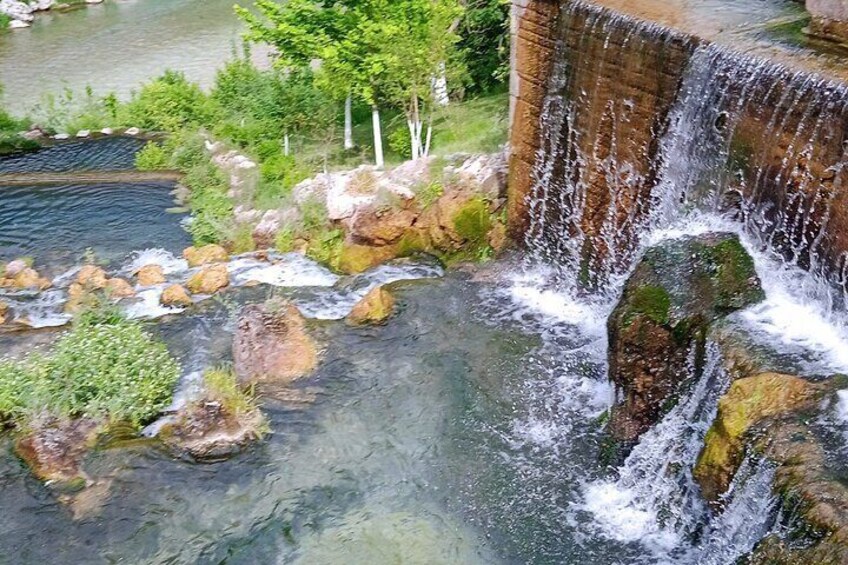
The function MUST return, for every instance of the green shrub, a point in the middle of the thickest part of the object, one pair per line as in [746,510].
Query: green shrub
[211,207]
[222,387]
[4,22]
[152,157]
[400,142]
[169,103]
[104,367]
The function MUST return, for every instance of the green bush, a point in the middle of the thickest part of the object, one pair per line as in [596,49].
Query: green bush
[104,367]
[400,142]
[211,207]
[169,103]
[152,157]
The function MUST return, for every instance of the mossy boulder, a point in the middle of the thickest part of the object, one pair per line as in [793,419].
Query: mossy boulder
[374,308]
[356,258]
[748,402]
[678,289]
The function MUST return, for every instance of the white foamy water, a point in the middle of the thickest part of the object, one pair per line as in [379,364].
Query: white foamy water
[170,264]
[290,269]
[654,500]
[146,304]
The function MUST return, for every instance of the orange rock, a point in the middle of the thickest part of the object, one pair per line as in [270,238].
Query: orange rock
[92,277]
[209,280]
[175,295]
[119,288]
[150,275]
[211,253]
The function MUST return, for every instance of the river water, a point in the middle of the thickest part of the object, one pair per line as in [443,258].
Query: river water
[115,46]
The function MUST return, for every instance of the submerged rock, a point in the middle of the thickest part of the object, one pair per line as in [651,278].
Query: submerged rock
[271,345]
[54,448]
[150,275]
[658,328]
[209,280]
[374,308]
[175,296]
[14,267]
[197,256]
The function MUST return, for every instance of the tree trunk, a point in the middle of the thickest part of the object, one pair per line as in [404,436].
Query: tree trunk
[286,145]
[429,135]
[440,87]
[348,123]
[378,137]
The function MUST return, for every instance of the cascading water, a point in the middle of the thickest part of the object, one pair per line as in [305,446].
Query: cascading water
[743,144]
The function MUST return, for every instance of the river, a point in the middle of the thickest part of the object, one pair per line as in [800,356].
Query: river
[116,45]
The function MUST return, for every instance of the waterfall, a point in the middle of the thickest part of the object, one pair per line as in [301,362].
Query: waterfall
[747,137]
[655,498]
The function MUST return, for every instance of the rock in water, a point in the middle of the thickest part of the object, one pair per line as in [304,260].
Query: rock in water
[209,280]
[374,308]
[747,402]
[150,275]
[119,288]
[271,345]
[678,289]
[4,310]
[211,253]
[176,296]
[54,449]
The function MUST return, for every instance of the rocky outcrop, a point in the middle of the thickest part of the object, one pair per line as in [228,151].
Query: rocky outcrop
[150,275]
[209,279]
[659,326]
[374,308]
[54,449]
[175,296]
[271,345]
[197,256]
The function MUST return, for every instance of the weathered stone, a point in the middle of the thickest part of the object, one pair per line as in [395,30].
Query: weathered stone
[119,288]
[54,449]
[748,402]
[271,345]
[91,277]
[4,311]
[830,18]
[150,275]
[373,225]
[209,279]
[678,289]
[374,308]
[204,255]
[175,296]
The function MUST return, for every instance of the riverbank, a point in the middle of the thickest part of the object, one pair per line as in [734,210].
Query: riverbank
[17,14]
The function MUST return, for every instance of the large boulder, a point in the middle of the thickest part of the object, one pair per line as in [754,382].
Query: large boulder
[197,256]
[91,277]
[271,345]
[678,289]
[209,280]
[119,288]
[25,279]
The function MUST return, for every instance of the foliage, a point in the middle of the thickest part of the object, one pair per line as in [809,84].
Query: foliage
[5,20]
[222,387]
[326,247]
[400,143]
[152,157]
[428,193]
[211,207]
[484,43]
[169,103]
[71,112]
[104,367]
